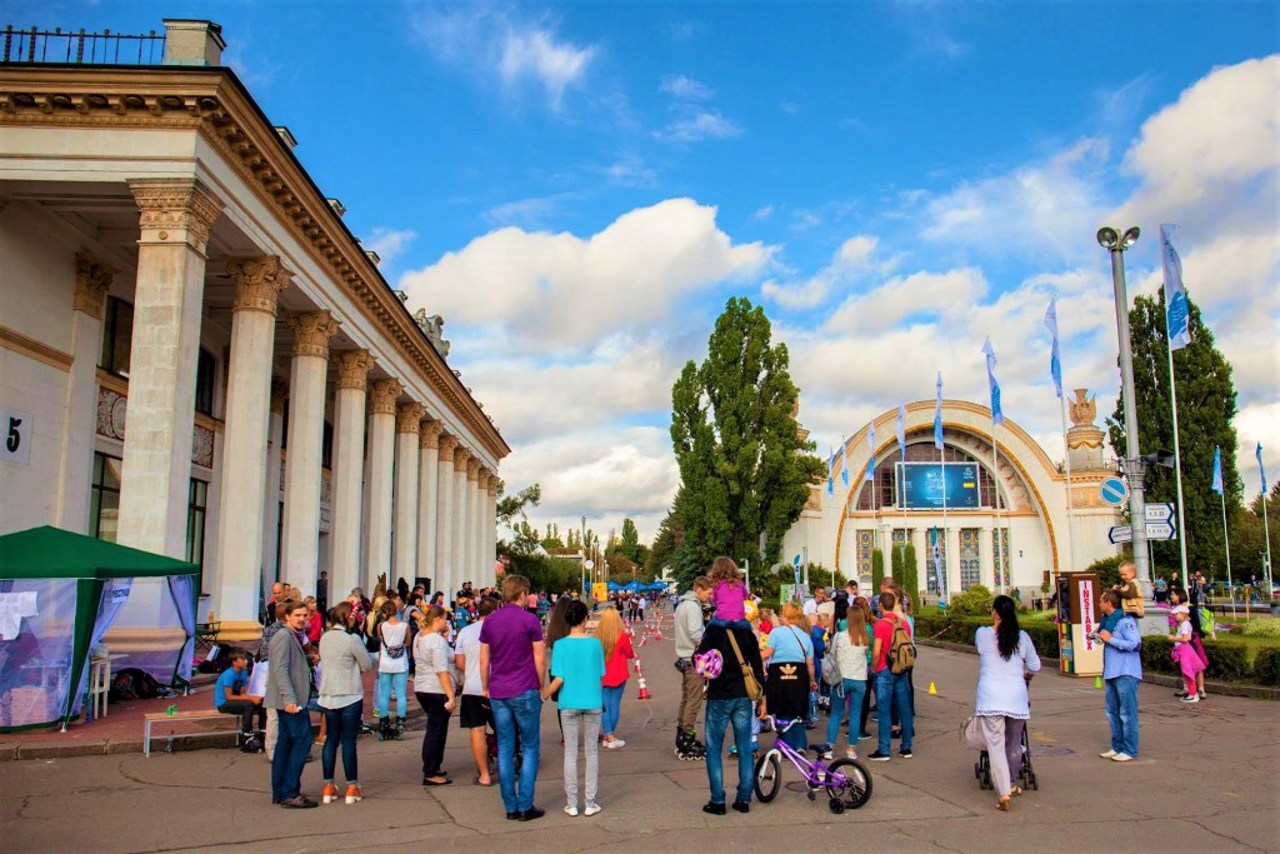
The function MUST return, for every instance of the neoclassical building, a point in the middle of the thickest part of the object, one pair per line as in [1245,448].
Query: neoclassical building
[1002,519]
[197,357]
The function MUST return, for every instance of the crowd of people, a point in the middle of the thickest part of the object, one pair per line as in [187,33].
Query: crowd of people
[498,654]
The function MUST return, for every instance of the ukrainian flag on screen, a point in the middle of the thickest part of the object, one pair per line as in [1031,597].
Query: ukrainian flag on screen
[968,484]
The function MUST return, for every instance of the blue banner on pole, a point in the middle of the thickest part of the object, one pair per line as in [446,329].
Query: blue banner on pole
[1217,470]
[1055,357]
[937,416]
[997,412]
[1177,311]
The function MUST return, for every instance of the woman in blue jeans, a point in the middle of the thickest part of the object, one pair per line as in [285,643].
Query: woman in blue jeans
[617,652]
[729,705]
[342,659]
[851,647]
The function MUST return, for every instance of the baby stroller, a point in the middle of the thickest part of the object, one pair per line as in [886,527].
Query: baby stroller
[1026,773]
[491,749]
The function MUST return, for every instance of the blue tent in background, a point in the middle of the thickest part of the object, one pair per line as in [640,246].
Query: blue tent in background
[614,587]
[657,585]
[633,587]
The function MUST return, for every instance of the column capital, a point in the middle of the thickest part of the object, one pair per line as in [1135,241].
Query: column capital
[473,469]
[382,397]
[460,457]
[492,485]
[430,433]
[447,444]
[311,332]
[409,417]
[279,391]
[93,280]
[353,368]
[258,282]
[181,210]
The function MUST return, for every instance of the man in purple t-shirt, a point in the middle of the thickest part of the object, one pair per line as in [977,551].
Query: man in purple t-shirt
[512,667]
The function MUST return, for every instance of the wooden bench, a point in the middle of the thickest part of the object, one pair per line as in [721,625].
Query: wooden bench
[185,717]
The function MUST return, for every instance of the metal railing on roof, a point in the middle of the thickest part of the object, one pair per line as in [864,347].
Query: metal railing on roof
[104,48]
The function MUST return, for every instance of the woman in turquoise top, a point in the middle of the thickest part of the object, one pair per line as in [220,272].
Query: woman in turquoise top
[789,659]
[577,668]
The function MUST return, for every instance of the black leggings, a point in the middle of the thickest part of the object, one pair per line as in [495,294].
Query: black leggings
[437,731]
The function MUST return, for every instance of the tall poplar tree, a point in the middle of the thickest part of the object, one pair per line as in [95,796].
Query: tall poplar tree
[744,468]
[1206,412]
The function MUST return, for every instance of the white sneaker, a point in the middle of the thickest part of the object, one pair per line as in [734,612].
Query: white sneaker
[571,810]
[1122,757]
[1190,698]
[591,809]
[615,744]
[1110,754]
[851,754]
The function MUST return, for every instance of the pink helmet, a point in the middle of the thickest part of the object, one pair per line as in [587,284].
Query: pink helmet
[708,664]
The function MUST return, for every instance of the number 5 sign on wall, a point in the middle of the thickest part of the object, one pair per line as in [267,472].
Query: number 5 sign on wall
[15,435]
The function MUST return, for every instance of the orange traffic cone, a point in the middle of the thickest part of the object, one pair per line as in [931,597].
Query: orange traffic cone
[644,688]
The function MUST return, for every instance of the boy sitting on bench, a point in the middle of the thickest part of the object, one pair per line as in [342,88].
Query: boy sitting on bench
[230,697]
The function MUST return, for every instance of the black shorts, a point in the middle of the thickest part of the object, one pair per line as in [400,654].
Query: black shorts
[475,712]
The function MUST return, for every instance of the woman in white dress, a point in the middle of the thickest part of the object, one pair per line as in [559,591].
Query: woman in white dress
[1007,661]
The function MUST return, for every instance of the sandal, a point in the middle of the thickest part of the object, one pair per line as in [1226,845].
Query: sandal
[1015,791]
[1003,803]
[476,781]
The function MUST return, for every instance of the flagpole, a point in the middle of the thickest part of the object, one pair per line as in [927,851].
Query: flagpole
[995,488]
[1071,513]
[945,580]
[1266,534]
[1177,456]
[1226,537]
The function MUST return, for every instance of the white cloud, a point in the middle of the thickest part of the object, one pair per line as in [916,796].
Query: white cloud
[389,243]
[685,88]
[528,213]
[535,54]
[705,124]
[540,290]
[762,213]
[631,171]
[851,261]
[503,44]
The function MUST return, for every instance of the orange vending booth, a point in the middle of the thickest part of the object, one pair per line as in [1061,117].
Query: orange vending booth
[1078,617]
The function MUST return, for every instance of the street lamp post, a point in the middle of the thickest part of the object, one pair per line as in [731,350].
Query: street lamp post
[1111,240]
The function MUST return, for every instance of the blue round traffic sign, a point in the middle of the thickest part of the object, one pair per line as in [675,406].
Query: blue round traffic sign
[1113,491]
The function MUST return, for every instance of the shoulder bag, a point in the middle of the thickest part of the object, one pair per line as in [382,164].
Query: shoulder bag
[755,691]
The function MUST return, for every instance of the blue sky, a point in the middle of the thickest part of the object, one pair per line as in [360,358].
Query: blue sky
[578,188]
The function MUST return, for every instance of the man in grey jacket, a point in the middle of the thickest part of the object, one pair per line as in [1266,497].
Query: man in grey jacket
[689,628]
[288,691]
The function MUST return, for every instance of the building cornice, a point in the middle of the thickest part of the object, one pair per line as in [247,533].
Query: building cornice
[213,103]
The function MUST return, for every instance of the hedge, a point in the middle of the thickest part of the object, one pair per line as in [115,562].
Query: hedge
[956,629]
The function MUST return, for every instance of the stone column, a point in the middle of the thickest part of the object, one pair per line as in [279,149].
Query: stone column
[302,469]
[404,545]
[176,215]
[444,518]
[93,280]
[348,471]
[382,427]
[461,507]
[475,516]
[491,530]
[243,479]
[271,511]
[428,490]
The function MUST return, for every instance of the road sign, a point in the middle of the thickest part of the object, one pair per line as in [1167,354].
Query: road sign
[1155,531]
[1160,512]
[1113,491]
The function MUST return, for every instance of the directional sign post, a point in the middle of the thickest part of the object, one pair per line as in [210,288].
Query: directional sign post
[1120,534]
[1155,531]
[1161,512]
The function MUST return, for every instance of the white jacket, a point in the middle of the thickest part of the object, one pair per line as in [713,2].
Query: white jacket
[852,660]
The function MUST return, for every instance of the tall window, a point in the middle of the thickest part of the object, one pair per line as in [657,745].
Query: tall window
[206,368]
[104,500]
[197,510]
[117,336]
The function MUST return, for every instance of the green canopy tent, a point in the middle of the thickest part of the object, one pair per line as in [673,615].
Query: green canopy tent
[58,590]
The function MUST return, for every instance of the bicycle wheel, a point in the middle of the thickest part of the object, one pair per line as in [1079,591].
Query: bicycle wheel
[768,776]
[854,789]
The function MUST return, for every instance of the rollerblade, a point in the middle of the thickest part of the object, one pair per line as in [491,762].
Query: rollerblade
[400,728]
[688,748]
[386,729]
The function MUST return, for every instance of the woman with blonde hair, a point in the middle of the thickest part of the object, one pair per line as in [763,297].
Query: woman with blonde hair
[791,676]
[436,686]
[617,650]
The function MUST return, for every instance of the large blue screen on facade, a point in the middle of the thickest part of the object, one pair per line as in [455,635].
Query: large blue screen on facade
[921,486]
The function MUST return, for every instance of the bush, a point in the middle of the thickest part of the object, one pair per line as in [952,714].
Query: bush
[1108,570]
[1264,628]
[1229,661]
[877,569]
[910,579]
[547,573]
[1266,667]
[976,602]
[1157,655]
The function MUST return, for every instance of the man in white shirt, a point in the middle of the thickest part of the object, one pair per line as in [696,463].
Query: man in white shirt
[811,604]
[475,713]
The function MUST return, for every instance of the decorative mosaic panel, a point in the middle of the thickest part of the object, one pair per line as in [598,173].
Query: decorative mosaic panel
[866,545]
[970,557]
[111,422]
[1000,549]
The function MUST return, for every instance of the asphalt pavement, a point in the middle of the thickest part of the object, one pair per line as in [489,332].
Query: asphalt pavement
[1207,779]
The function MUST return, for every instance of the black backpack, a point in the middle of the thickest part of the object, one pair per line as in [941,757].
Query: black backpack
[133,684]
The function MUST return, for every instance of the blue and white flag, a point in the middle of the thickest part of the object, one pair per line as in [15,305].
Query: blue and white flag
[844,463]
[871,449]
[1177,312]
[937,416]
[937,560]
[997,413]
[1262,472]
[1055,357]
[1217,470]
[902,431]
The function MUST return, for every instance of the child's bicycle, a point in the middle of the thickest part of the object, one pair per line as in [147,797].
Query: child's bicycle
[847,782]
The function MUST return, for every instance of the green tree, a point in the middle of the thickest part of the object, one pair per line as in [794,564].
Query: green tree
[1206,411]
[910,569]
[512,506]
[1248,536]
[744,468]
[877,570]
[669,537]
